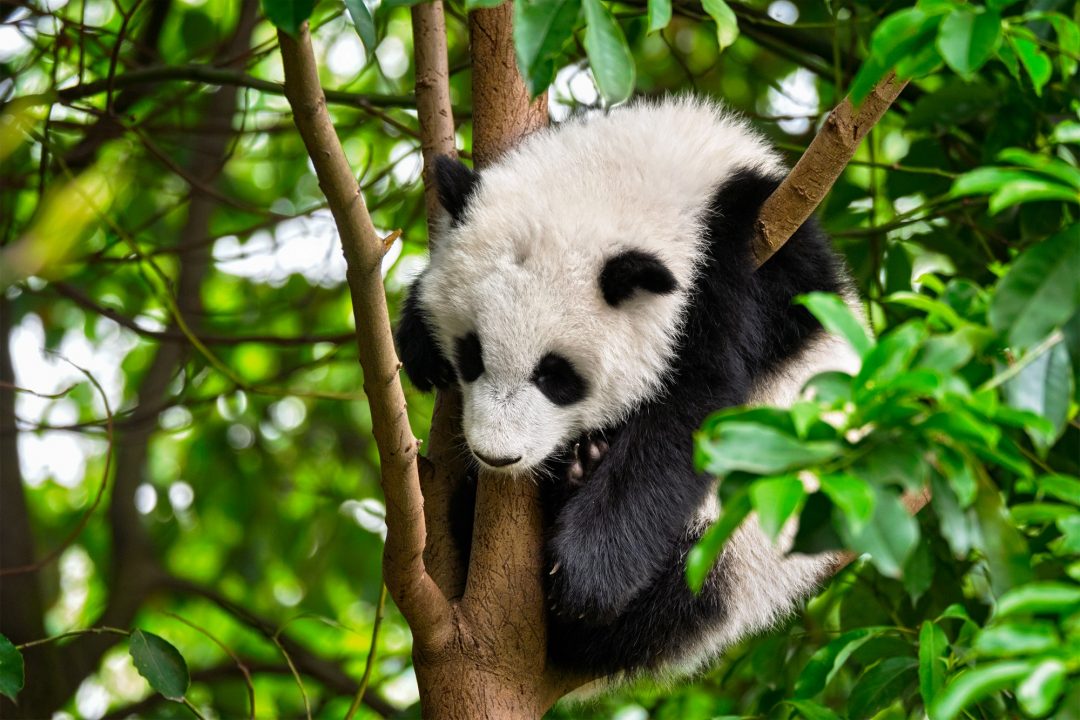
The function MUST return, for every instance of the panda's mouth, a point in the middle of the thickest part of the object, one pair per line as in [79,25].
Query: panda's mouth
[502,464]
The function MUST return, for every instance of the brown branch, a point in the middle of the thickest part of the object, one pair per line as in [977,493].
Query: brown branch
[171,334]
[211,76]
[818,169]
[443,475]
[503,113]
[416,594]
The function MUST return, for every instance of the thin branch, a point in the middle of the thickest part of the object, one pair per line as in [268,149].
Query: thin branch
[820,166]
[414,591]
[369,664]
[209,75]
[440,478]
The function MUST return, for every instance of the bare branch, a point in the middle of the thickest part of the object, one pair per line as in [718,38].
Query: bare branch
[416,594]
[212,76]
[818,169]
[443,475]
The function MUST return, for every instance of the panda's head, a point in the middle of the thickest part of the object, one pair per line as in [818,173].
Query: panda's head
[555,294]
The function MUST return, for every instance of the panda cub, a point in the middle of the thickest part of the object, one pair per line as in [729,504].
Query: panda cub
[594,298]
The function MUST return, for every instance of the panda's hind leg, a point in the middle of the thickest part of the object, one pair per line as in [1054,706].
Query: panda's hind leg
[586,455]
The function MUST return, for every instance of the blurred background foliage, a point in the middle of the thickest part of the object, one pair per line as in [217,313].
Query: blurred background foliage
[188,451]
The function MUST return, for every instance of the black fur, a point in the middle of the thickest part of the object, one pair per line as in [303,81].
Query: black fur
[620,595]
[425,364]
[558,380]
[456,182]
[617,541]
[469,356]
[632,270]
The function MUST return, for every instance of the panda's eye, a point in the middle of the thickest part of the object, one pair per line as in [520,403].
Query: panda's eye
[558,380]
[469,360]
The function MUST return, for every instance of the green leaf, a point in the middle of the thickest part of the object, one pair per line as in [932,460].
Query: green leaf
[1030,190]
[702,557]
[541,29]
[1007,554]
[1046,164]
[1067,131]
[160,663]
[775,500]
[1041,290]
[12,674]
[659,14]
[759,449]
[1062,487]
[901,35]
[836,317]
[364,24]
[919,571]
[288,15]
[1068,33]
[1010,639]
[823,665]
[933,645]
[891,356]
[1039,691]
[1039,597]
[727,25]
[971,686]
[967,39]
[854,497]
[1034,60]
[889,537]
[812,710]
[1044,387]
[609,55]
[880,686]
[471,5]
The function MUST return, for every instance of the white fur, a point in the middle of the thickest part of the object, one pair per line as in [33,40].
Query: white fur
[538,230]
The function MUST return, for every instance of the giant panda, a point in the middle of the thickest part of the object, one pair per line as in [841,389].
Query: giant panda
[594,297]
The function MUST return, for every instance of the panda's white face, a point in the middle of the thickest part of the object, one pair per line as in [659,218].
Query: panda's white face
[514,294]
[540,356]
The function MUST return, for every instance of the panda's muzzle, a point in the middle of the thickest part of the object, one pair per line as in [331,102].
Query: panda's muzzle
[497,462]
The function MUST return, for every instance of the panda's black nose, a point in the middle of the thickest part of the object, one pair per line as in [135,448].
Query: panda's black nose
[497,462]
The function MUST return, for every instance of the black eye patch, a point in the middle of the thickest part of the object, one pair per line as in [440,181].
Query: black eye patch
[558,380]
[469,360]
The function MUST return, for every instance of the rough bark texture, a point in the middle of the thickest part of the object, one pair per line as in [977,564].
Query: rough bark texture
[502,111]
[444,469]
[818,169]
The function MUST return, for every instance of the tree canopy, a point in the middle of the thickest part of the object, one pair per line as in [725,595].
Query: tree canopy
[191,518]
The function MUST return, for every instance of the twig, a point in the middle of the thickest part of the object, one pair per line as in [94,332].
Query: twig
[369,665]
[85,517]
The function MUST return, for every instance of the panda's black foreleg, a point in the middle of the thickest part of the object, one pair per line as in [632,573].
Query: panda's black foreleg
[615,533]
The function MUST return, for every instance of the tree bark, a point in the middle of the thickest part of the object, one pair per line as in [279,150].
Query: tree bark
[820,166]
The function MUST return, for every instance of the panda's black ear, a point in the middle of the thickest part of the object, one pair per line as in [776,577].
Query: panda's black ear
[424,363]
[631,270]
[456,182]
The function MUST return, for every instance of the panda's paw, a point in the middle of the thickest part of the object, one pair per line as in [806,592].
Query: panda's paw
[586,455]
[579,590]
